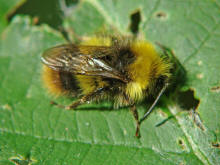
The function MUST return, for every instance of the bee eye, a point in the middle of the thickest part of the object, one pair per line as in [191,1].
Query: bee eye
[127,56]
[108,58]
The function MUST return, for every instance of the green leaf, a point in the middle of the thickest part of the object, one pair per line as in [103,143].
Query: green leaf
[6,7]
[33,131]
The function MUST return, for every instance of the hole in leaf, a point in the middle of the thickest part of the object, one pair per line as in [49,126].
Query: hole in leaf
[135,21]
[187,100]
[161,15]
[215,89]
[181,143]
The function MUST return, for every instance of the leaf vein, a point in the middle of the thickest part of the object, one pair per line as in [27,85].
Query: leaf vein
[202,44]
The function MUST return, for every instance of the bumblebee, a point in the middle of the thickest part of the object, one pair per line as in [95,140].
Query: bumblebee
[122,70]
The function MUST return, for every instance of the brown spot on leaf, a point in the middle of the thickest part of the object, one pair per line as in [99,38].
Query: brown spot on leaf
[200,76]
[215,89]
[161,15]
[7,107]
[200,63]
[216,145]
[20,160]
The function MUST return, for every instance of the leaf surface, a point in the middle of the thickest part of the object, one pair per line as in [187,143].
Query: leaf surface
[33,129]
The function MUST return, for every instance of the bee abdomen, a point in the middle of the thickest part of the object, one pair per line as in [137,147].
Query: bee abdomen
[68,81]
[60,83]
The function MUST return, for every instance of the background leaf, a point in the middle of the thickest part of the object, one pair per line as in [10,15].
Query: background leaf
[5,8]
[32,130]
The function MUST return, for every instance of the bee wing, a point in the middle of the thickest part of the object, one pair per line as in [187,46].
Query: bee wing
[81,60]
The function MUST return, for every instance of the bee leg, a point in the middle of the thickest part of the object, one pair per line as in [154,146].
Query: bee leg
[57,105]
[78,102]
[73,105]
[135,114]
[154,103]
[84,99]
